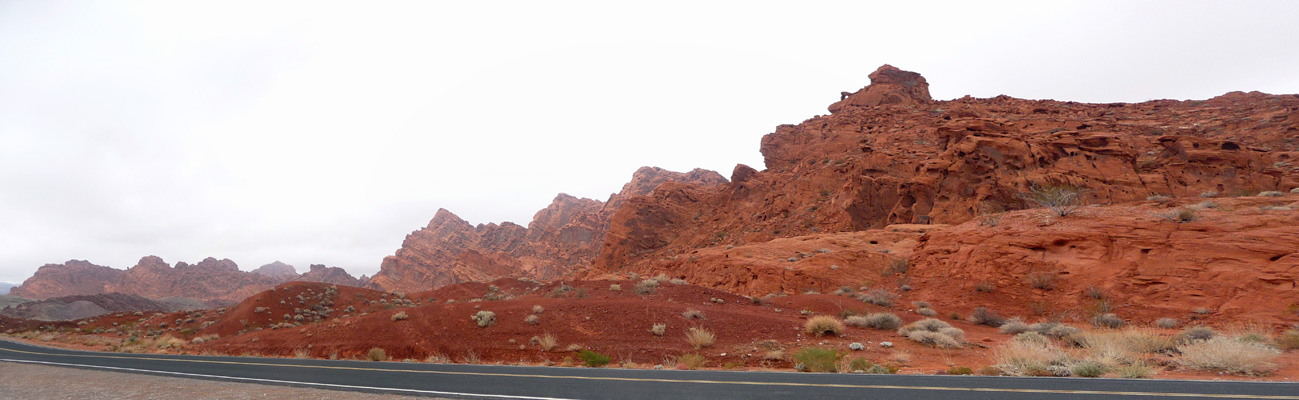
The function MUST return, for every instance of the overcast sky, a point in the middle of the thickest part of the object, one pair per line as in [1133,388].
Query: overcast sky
[321,132]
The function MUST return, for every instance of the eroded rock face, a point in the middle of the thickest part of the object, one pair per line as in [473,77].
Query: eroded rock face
[889,86]
[874,164]
[74,277]
[1238,260]
[562,237]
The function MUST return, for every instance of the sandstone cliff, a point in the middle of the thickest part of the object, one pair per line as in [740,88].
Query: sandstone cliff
[277,270]
[890,155]
[562,237]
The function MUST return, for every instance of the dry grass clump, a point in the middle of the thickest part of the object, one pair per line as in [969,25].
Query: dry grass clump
[376,354]
[822,324]
[879,297]
[692,361]
[646,286]
[983,316]
[1055,330]
[615,288]
[400,316]
[1166,323]
[658,329]
[1108,320]
[691,313]
[301,353]
[933,332]
[1024,358]
[1229,355]
[546,341]
[1288,340]
[484,318]
[926,311]
[1196,333]
[532,319]
[881,321]
[1031,337]
[1042,280]
[537,309]
[1014,326]
[700,338]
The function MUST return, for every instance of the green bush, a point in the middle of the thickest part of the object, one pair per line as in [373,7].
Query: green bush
[817,359]
[860,364]
[1089,369]
[960,371]
[592,359]
[693,361]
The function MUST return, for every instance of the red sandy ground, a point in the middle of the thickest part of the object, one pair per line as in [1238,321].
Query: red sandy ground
[590,316]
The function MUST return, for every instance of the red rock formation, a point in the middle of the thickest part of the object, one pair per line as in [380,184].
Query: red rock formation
[75,277]
[873,163]
[1238,259]
[889,86]
[211,280]
[277,270]
[562,237]
[331,275]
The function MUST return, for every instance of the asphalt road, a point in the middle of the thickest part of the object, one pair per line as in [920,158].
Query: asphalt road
[494,381]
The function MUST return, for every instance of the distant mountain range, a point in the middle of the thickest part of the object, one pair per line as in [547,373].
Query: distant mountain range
[5,286]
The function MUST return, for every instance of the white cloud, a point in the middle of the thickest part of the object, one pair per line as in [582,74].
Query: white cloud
[324,132]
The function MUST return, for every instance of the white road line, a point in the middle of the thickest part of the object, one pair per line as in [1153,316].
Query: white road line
[291,382]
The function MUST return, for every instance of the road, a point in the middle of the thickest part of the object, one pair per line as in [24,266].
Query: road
[511,382]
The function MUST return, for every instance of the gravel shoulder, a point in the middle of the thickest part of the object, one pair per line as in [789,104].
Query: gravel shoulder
[40,382]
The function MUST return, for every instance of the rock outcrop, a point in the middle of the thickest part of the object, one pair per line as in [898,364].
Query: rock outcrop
[85,306]
[277,270]
[878,163]
[561,238]
[330,275]
[211,280]
[889,86]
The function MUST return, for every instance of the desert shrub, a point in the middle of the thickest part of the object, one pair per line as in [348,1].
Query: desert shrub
[484,318]
[678,281]
[400,316]
[1229,355]
[859,365]
[935,339]
[537,309]
[1018,358]
[1060,199]
[1054,329]
[592,359]
[823,324]
[658,329]
[817,359]
[960,371]
[898,266]
[1196,333]
[700,337]
[691,313]
[646,286]
[1031,337]
[879,297]
[933,332]
[881,321]
[532,319]
[1134,371]
[615,288]
[1166,323]
[693,361]
[1014,326]
[1108,320]
[1089,369]
[1288,340]
[546,341]
[377,354]
[983,316]
[1041,280]
[1270,193]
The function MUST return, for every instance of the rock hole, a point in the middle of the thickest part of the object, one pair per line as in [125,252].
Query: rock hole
[875,242]
[1145,251]
[1059,242]
[1276,257]
[1230,146]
